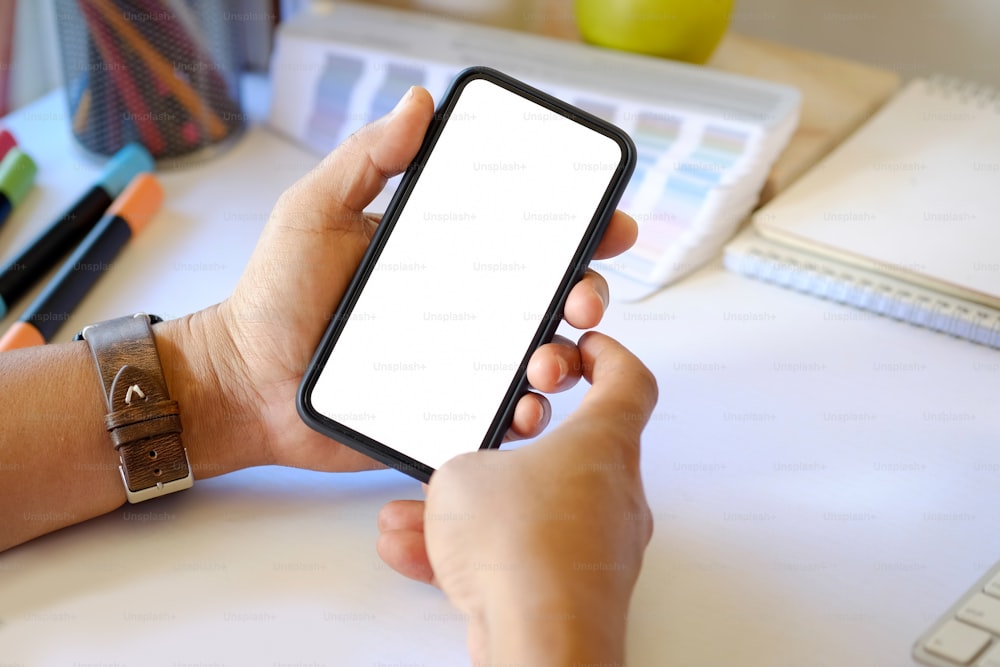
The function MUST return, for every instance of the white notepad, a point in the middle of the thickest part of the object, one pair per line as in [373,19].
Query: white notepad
[909,206]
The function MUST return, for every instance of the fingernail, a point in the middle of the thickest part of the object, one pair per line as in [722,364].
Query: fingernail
[563,369]
[603,297]
[402,101]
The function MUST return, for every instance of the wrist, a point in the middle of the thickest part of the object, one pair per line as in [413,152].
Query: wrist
[554,625]
[553,612]
[220,430]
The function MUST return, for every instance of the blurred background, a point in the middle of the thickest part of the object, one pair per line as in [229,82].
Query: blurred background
[911,37]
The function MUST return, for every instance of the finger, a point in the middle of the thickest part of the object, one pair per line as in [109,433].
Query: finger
[405,552]
[555,366]
[350,177]
[531,416]
[587,301]
[402,515]
[317,234]
[623,390]
[620,235]
[371,222]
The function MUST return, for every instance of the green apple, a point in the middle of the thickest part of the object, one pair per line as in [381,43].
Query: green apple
[681,29]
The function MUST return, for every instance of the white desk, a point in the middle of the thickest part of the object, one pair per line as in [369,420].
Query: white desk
[823,481]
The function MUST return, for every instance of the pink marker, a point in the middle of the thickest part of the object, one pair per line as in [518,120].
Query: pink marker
[7,141]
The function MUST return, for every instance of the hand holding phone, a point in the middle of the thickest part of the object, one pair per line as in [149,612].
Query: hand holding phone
[493,223]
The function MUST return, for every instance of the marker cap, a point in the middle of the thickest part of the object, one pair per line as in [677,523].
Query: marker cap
[138,203]
[7,141]
[21,334]
[17,173]
[132,159]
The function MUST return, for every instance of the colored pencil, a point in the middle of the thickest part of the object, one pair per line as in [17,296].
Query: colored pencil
[118,65]
[161,68]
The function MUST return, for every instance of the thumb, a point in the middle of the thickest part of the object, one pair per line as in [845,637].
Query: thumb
[350,177]
[623,391]
[317,232]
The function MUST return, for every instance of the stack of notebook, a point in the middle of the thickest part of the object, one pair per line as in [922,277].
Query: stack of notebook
[706,139]
[901,219]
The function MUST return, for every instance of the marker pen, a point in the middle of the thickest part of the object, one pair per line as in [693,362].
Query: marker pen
[7,141]
[17,173]
[126,217]
[21,272]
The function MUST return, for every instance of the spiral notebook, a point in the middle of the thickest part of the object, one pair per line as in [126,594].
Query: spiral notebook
[902,219]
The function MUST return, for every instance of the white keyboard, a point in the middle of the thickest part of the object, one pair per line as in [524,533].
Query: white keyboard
[969,633]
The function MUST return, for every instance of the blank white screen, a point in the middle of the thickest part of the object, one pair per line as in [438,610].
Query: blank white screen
[490,228]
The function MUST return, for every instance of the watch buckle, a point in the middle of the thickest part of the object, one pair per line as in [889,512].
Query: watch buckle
[161,488]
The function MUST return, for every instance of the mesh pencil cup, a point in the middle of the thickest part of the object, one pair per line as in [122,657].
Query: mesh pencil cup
[162,73]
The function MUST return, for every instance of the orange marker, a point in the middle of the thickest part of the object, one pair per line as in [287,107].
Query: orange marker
[126,217]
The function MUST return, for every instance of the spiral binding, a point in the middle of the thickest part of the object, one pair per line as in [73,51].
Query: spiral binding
[867,291]
[965,91]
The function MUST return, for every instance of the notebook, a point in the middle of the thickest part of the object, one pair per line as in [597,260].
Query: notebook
[706,139]
[902,219]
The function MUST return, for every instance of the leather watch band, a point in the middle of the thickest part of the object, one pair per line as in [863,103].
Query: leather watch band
[143,422]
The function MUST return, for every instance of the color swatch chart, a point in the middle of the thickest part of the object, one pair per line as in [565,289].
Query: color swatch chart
[698,175]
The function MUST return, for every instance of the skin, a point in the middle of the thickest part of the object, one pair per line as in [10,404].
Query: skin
[235,371]
[541,546]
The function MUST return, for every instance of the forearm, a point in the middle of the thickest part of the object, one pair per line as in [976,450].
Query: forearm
[555,624]
[57,464]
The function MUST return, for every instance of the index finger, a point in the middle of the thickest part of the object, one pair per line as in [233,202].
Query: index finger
[620,235]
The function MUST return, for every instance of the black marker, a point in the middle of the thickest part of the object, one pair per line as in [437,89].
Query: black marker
[128,216]
[21,272]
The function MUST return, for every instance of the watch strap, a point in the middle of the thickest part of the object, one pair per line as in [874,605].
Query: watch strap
[142,420]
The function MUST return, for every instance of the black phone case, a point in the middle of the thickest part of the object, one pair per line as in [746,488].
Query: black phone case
[549,322]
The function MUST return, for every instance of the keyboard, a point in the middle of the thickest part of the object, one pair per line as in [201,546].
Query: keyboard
[969,633]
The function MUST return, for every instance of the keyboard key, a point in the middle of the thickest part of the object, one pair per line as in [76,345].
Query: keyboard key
[992,587]
[991,658]
[957,641]
[981,611]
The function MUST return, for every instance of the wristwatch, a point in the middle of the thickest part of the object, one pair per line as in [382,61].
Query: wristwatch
[144,424]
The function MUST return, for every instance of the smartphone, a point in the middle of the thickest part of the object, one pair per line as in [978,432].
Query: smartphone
[491,226]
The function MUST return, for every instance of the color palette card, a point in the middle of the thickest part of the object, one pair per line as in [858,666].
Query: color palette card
[706,140]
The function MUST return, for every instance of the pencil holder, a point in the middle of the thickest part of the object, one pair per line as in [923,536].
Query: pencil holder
[162,73]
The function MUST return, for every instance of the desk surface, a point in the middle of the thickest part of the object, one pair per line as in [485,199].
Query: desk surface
[818,477]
